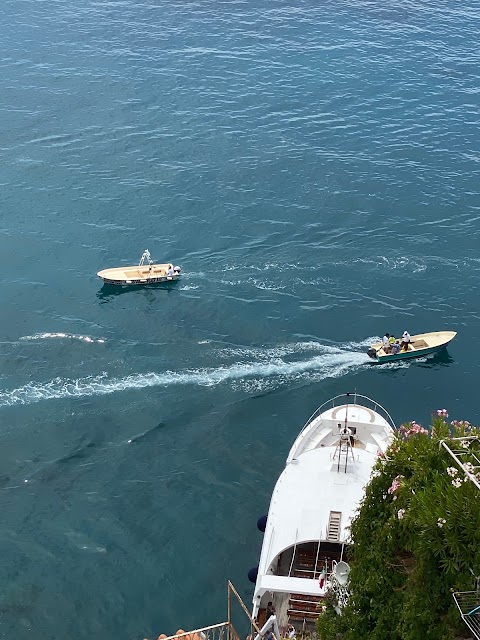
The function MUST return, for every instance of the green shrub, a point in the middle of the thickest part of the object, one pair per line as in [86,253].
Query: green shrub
[415,540]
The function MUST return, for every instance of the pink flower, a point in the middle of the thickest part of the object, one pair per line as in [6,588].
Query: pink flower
[395,484]
[452,471]
[416,429]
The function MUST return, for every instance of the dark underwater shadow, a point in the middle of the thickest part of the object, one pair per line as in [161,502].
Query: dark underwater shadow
[439,359]
[110,291]
[432,361]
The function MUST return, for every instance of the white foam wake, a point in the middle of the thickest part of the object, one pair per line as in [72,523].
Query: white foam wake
[72,336]
[326,365]
[294,348]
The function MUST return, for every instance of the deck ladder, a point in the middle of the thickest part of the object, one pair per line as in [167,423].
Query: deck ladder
[333,531]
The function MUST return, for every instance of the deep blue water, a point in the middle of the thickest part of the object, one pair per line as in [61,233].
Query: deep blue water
[315,171]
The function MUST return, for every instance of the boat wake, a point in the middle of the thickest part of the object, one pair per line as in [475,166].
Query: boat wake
[71,336]
[269,370]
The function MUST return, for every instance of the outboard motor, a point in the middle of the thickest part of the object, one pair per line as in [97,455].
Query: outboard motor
[177,270]
[372,353]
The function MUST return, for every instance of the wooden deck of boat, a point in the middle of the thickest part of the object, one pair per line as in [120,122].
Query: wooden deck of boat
[131,273]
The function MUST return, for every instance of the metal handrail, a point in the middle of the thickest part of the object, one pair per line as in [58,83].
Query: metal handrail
[465,600]
[199,631]
[202,633]
[454,456]
[347,398]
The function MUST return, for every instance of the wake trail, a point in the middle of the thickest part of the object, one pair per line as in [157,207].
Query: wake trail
[70,336]
[333,362]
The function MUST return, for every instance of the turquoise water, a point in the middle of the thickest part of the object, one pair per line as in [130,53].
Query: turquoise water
[314,170]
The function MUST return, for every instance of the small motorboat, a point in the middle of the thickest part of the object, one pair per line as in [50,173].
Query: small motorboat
[420,345]
[145,273]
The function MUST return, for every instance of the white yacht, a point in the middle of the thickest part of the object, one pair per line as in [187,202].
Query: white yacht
[312,505]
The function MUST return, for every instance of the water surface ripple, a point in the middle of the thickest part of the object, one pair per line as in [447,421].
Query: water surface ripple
[314,170]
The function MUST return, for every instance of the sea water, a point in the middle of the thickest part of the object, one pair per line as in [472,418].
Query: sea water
[313,168]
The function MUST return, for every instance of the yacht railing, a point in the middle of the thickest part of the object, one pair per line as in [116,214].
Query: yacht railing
[219,631]
[466,460]
[468,603]
[224,630]
[352,400]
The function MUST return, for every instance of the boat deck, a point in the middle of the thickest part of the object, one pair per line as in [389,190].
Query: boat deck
[130,273]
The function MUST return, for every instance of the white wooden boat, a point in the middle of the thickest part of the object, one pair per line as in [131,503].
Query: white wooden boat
[312,506]
[420,345]
[146,272]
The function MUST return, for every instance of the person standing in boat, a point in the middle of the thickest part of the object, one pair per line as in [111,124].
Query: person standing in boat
[170,270]
[406,339]
[386,343]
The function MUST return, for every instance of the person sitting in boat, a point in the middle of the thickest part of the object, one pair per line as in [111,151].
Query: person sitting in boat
[406,339]
[170,270]
[391,341]
[386,343]
[396,347]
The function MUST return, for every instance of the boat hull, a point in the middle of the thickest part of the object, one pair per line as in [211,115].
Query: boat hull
[140,275]
[140,281]
[420,345]
[404,355]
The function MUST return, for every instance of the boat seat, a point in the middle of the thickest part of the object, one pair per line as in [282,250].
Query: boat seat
[378,440]
[326,431]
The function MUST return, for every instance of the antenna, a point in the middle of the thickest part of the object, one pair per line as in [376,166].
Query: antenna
[341,572]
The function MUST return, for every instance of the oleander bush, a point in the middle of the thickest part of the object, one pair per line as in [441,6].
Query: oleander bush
[415,539]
